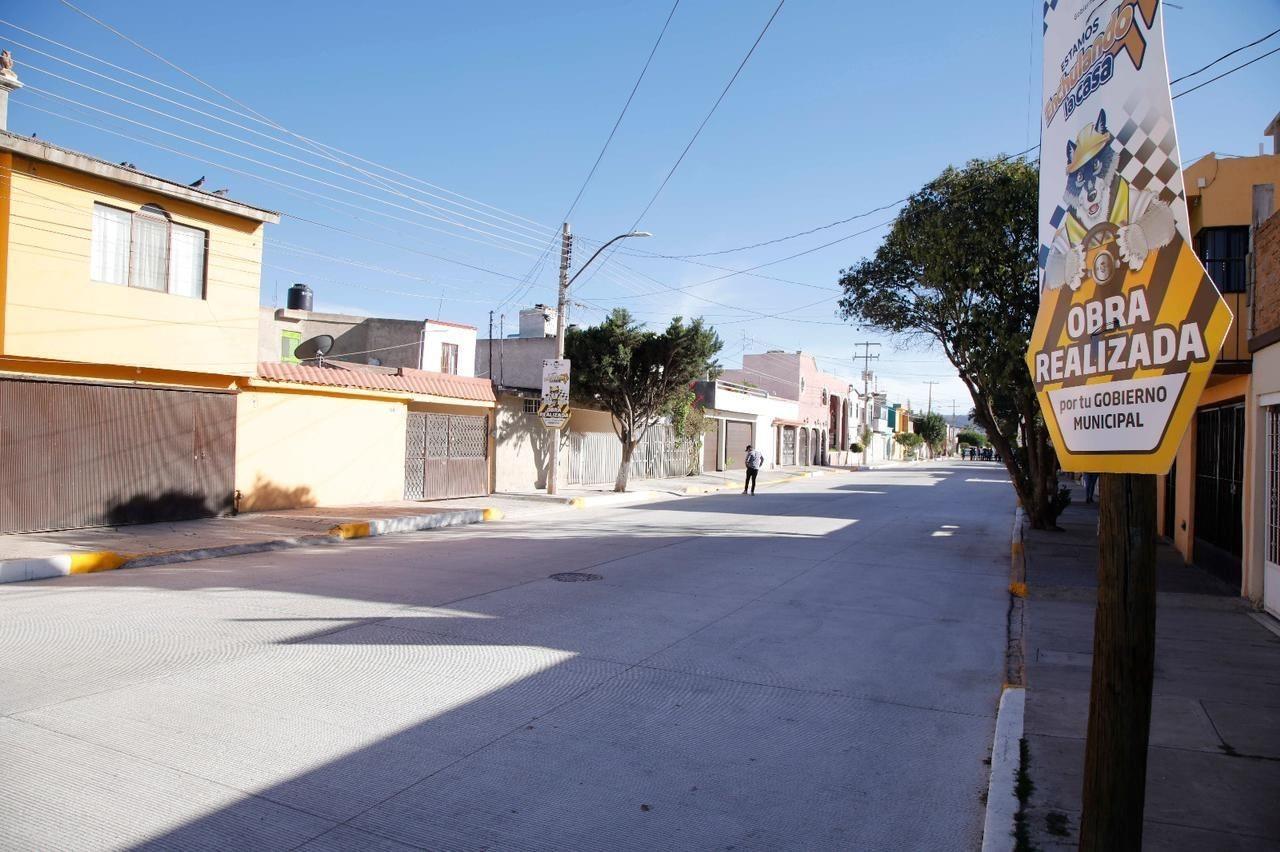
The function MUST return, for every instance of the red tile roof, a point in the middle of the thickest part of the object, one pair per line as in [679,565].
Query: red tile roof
[402,380]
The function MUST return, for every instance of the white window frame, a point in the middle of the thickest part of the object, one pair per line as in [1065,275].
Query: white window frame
[1272,485]
[126,269]
[532,404]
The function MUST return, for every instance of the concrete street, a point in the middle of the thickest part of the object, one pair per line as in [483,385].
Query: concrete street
[814,667]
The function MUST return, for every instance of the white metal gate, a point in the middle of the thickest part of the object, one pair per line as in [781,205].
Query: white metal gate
[594,457]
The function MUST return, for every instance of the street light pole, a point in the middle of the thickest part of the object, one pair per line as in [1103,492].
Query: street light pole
[866,395]
[566,253]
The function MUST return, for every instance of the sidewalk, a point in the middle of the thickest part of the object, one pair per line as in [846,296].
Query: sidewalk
[1213,769]
[34,556]
[584,496]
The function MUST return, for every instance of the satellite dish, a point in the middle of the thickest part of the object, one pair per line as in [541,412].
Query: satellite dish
[314,348]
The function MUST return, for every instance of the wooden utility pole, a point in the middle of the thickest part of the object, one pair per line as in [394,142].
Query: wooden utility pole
[929,409]
[566,252]
[1124,639]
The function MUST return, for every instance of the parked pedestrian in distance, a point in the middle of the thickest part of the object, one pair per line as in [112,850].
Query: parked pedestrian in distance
[755,461]
[1090,485]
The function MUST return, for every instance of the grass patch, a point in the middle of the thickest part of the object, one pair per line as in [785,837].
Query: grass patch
[1023,788]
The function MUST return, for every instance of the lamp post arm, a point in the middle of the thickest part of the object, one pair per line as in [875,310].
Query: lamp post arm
[593,257]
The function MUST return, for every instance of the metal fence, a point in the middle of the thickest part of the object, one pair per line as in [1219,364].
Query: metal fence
[594,457]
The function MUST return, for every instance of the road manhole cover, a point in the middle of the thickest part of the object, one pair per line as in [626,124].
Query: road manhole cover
[575,577]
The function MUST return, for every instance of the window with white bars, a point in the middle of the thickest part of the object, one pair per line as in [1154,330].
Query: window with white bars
[531,404]
[1273,484]
[146,249]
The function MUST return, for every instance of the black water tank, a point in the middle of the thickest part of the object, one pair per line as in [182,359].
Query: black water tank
[299,298]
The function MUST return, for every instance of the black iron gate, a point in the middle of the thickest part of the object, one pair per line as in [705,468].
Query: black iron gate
[446,455]
[1219,482]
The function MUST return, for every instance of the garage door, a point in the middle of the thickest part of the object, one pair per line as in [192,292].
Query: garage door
[711,449]
[738,433]
[446,455]
[82,455]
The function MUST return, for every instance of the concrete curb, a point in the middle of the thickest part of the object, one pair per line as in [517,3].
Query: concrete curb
[1006,758]
[1015,651]
[86,562]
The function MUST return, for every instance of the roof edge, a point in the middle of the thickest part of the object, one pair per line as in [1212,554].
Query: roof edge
[38,149]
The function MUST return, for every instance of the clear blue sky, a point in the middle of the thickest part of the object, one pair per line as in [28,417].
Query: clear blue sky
[844,107]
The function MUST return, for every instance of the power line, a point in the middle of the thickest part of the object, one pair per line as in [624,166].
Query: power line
[322,149]
[1224,56]
[590,174]
[1227,73]
[707,118]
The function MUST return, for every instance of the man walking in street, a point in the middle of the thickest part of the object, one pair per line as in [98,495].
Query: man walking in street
[755,461]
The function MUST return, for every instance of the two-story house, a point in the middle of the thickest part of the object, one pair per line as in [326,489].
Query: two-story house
[1261,568]
[132,383]
[128,315]
[1201,503]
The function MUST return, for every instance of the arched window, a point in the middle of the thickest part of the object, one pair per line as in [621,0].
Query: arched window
[147,250]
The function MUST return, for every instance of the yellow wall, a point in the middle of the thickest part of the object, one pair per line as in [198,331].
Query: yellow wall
[1227,197]
[53,310]
[306,449]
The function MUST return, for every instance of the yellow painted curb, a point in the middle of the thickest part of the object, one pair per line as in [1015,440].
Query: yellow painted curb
[352,530]
[492,514]
[90,563]
[578,503]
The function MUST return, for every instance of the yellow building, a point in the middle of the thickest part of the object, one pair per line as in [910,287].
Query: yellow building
[128,315]
[1201,501]
[131,388]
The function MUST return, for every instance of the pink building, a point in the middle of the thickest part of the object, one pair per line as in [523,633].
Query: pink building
[828,415]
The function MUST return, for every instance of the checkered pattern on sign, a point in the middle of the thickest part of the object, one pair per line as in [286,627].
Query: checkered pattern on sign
[1148,155]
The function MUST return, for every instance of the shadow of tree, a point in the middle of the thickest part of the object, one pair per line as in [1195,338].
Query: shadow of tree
[265,495]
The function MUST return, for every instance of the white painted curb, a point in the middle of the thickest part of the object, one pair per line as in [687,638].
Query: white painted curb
[1002,799]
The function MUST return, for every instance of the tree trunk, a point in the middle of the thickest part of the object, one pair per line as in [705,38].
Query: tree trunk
[624,469]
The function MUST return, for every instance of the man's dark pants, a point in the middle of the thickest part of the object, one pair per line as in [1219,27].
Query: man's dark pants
[751,480]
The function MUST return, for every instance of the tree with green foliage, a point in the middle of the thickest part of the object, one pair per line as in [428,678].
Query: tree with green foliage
[910,441]
[933,429]
[958,270]
[637,375]
[689,424]
[972,438]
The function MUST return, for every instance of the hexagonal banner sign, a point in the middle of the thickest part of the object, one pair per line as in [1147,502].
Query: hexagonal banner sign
[1130,324]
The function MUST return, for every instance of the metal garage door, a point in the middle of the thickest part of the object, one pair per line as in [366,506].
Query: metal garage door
[738,433]
[82,455]
[446,455]
[711,449]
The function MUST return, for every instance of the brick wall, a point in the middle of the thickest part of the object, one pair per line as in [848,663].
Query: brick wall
[1267,283]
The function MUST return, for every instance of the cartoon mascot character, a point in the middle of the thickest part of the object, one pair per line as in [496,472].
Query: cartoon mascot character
[1108,222]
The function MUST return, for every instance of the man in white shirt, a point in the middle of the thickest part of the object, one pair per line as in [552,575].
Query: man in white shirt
[755,461]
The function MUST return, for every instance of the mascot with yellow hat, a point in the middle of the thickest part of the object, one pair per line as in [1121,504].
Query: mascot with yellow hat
[1108,223]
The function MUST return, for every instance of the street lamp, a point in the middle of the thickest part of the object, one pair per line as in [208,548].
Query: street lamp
[553,461]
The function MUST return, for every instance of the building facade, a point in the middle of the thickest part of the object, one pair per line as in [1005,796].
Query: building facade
[1201,503]
[128,318]
[1261,552]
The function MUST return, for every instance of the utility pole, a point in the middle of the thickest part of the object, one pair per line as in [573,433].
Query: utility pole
[929,410]
[866,394]
[1124,640]
[491,379]
[566,254]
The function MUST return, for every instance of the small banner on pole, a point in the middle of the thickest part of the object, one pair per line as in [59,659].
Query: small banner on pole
[1130,324]
[555,393]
